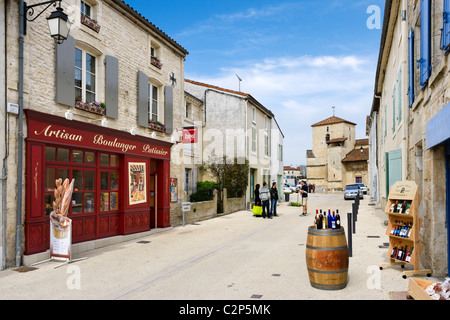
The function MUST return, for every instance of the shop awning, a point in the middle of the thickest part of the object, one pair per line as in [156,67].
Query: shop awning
[438,128]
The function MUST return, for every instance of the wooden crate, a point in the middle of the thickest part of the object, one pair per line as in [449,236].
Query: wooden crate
[416,288]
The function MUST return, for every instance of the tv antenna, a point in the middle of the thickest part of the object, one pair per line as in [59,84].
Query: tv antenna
[334,110]
[240,80]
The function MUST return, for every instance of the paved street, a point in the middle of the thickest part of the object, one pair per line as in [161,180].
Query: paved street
[235,257]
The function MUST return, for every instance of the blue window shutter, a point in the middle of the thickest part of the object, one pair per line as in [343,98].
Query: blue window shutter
[446,27]
[411,67]
[425,47]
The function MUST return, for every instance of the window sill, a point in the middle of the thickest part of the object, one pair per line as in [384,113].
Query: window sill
[90,23]
[90,108]
[156,127]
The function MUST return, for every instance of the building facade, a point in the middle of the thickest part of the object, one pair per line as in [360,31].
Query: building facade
[102,108]
[412,129]
[237,126]
[332,163]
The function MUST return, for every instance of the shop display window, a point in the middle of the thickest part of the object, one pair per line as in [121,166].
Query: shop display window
[81,166]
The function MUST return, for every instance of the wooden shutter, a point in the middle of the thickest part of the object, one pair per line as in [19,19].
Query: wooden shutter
[411,67]
[65,72]
[168,109]
[142,113]
[446,27]
[112,87]
[425,47]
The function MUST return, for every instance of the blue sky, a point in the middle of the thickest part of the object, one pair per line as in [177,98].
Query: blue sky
[298,58]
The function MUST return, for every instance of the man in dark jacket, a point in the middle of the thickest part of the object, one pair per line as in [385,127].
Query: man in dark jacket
[273,199]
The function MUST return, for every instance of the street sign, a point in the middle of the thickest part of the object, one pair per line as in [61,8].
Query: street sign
[186,206]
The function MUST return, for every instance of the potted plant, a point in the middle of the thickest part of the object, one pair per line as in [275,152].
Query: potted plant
[91,23]
[156,62]
[157,126]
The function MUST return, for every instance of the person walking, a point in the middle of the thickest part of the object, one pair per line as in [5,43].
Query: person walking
[264,195]
[273,199]
[304,192]
[257,198]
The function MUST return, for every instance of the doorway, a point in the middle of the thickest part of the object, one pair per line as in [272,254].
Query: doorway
[153,200]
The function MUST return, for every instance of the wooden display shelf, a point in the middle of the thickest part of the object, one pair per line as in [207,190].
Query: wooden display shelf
[405,192]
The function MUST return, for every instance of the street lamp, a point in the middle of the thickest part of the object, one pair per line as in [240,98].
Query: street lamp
[58,22]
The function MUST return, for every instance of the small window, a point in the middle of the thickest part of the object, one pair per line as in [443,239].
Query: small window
[153,102]
[86,10]
[188,109]
[327,138]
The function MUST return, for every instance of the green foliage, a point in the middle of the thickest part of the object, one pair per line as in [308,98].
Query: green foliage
[230,174]
[295,204]
[204,191]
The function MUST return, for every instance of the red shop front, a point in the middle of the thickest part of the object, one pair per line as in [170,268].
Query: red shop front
[122,182]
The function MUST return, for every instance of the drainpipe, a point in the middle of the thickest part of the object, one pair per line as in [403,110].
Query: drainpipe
[5,159]
[20,138]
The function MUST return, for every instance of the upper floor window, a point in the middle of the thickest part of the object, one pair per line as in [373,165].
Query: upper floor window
[86,9]
[85,76]
[153,102]
[188,109]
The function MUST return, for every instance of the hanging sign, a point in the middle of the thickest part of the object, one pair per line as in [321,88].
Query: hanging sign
[190,135]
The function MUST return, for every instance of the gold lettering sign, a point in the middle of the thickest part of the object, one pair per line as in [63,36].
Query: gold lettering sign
[59,134]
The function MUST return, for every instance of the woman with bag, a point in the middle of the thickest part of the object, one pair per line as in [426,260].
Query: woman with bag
[257,209]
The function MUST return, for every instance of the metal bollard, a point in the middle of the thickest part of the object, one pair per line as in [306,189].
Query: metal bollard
[349,233]
[354,217]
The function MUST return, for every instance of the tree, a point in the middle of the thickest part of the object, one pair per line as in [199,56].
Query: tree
[229,174]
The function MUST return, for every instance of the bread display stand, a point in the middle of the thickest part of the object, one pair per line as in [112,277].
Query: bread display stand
[403,210]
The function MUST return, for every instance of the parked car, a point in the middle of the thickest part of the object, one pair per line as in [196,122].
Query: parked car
[287,189]
[363,187]
[351,191]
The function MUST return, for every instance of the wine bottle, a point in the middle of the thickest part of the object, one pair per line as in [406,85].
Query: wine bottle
[329,219]
[333,221]
[338,220]
[315,218]
[323,219]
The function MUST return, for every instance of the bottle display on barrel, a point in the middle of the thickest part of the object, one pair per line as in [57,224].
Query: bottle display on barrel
[316,217]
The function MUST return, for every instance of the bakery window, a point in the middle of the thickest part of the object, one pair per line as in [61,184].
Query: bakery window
[96,187]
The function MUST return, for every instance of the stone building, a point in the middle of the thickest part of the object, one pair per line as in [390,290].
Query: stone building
[333,142]
[104,108]
[410,115]
[236,125]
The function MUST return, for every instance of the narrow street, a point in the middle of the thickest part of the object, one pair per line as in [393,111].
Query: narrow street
[233,257]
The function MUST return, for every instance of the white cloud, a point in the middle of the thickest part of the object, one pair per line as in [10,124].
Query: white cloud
[301,91]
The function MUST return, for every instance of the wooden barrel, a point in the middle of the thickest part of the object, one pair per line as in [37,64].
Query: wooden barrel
[327,258]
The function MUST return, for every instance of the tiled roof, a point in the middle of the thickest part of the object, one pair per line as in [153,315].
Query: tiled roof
[216,87]
[145,21]
[243,94]
[356,155]
[331,120]
[362,142]
[337,140]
